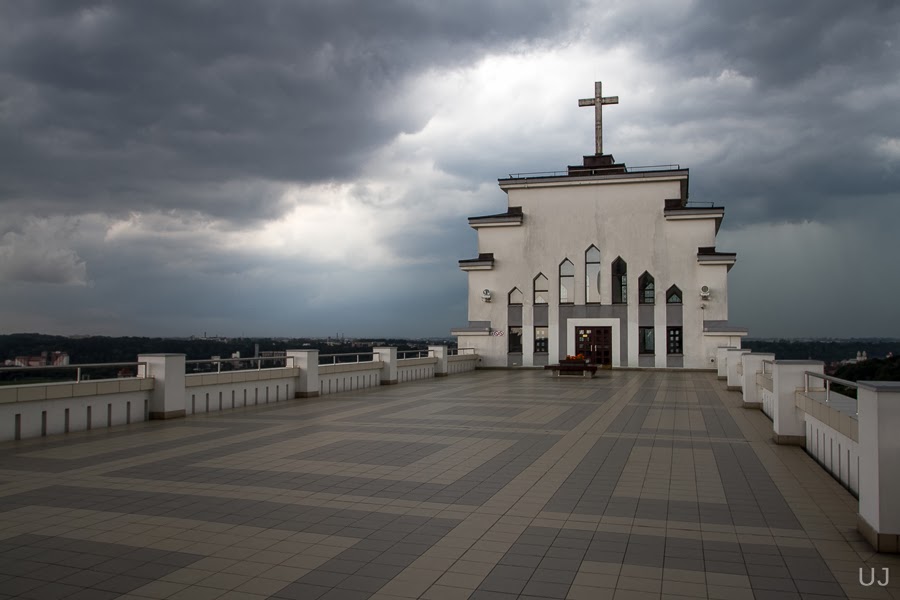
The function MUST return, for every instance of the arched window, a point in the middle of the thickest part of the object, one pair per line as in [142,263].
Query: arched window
[541,289]
[566,282]
[673,295]
[592,275]
[516,296]
[646,289]
[619,281]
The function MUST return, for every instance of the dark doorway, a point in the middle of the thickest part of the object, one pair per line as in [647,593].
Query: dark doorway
[595,343]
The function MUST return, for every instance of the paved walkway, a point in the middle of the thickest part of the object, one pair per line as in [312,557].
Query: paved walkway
[490,485]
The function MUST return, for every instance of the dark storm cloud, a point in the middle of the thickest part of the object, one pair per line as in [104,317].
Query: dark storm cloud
[112,106]
[144,147]
[804,136]
[782,43]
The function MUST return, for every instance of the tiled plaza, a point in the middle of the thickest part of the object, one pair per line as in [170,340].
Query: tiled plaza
[493,485]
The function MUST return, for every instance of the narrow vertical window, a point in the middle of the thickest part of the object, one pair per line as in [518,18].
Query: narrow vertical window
[619,281]
[541,339]
[541,289]
[592,275]
[673,295]
[566,282]
[515,296]
[646,289]
[647,340]
[674,340]
[515,339]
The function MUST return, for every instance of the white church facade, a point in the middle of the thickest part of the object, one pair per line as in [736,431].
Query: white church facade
[600,260]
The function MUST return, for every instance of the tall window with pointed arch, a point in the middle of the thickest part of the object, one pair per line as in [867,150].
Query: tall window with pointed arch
[516,297]
[566,282]
[619,281]
[646,289]
[673,295]
[541,289]
[592,275]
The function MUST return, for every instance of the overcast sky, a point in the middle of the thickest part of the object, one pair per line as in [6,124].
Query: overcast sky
[306,168]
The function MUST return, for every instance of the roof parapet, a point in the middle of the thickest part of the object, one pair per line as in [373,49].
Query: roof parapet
[484,262]
[513,217]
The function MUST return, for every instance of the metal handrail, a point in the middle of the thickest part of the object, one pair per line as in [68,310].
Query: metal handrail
[828,381]
[418,353]
[580,171]
[458,351]
[334,361]
[259,360]
[83,366]
[669,167]
[538,174]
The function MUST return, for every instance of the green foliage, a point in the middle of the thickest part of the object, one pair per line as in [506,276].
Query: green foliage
[825,350]
[873,369]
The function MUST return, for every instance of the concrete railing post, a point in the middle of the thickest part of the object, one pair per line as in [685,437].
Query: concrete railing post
[441,367]
[308,379]
[721,362]
[879,462]
[733,359]
[752,363]
[787,378]
[389,371]
[167,397]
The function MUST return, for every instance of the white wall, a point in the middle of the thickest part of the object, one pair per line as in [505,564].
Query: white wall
[349,376]
[621,219]
[413,369]
[53,408]
[461,363]
[211,392]
[837,453]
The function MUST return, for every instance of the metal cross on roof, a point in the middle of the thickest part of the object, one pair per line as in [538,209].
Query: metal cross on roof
[597,102]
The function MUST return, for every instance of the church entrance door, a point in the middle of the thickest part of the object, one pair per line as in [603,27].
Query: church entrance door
[595,343]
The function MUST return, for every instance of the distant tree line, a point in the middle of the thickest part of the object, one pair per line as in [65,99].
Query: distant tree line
[873,369]
[828,351]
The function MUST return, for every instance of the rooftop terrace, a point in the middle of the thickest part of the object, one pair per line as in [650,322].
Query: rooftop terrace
[485,485]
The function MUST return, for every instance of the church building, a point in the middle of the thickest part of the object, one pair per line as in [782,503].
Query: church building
[602,260]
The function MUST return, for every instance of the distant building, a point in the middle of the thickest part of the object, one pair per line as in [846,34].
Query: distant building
[30,361]
[860,357]
[59,359]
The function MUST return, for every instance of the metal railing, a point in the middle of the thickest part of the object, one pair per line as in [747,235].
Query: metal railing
[257,359]
[415,354]
[141,373]
[580,170]
[669,167]
[458,351]
[538,174]
[338,359]
[828,379]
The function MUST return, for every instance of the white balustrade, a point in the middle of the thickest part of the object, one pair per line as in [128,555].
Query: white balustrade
[162,389]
